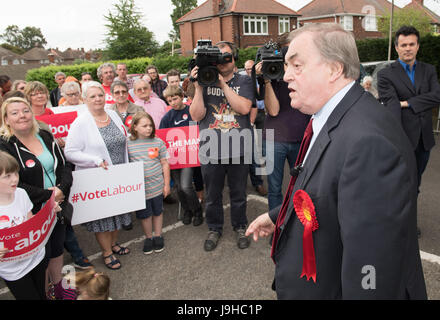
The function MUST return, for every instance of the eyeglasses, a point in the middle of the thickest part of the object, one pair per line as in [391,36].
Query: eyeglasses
[142,89]
[121,92]
[74,94]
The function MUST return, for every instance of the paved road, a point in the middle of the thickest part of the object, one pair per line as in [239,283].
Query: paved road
[185,271]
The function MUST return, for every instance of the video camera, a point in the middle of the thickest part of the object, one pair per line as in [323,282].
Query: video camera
[272,68]
[273,61]
[207,59]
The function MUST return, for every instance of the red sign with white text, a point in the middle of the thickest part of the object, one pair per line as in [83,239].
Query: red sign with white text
[182,145]
[59,123]
[28,238]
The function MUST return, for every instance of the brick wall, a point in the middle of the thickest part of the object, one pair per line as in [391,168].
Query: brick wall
[228,28]
[358,31]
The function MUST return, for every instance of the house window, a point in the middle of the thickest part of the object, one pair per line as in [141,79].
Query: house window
[283,24]
[4,62]
[255,25]
[347,22]
[16,61]
[370,23]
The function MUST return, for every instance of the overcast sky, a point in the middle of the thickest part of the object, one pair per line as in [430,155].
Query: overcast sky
[80,23]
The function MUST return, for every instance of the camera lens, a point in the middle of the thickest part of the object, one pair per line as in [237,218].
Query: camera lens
[273,70]
[207,76]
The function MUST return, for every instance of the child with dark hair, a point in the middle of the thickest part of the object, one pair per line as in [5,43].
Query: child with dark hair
[179,116]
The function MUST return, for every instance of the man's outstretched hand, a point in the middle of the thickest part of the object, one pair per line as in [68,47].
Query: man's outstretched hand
[261,227]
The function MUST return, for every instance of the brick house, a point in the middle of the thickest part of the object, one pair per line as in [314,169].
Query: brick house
[360,17]
[419,5]
[246,23]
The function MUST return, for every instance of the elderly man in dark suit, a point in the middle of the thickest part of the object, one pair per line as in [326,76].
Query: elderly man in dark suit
[347,226]
[410,89]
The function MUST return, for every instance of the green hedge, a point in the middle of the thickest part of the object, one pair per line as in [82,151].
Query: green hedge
[377,50]
[46,74]
[369,50]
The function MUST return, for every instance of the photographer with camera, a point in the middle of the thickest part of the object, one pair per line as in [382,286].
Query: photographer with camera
[221,104]
[287,123]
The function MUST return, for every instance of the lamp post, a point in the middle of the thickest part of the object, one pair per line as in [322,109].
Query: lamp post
[391,30]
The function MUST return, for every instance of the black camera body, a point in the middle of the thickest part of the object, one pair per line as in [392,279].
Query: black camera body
[273,61]
[207,59]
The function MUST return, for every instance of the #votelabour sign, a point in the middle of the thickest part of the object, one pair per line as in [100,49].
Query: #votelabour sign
[28,238]
[97,193]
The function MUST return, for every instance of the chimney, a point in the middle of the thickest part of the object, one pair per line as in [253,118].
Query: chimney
[216,6]
[420,2]
[51,57]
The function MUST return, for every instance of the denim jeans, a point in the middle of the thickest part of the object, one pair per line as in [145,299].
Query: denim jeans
[71,244]
[256,180]
[185,190]
[281,152]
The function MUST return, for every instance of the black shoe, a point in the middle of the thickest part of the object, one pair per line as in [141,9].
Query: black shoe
[242,241]
[148,246]
[212,240]
[158,244]
[170,200]
[187,217]
[128,226]
[198,219]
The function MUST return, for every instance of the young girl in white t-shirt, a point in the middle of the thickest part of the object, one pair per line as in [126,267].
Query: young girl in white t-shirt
[24,278]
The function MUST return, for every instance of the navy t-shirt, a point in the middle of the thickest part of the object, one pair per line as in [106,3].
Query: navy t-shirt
[176,118]
[289,125]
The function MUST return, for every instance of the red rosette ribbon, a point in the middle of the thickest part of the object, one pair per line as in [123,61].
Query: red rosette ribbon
[128,121]
[305,210]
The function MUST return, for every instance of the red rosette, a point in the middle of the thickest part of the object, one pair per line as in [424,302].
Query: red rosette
[305,210]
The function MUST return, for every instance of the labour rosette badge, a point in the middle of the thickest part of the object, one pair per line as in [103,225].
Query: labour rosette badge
[305,210]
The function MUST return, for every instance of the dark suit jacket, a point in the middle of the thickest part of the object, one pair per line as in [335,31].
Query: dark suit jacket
[394,86]
[55,96]
[360,174]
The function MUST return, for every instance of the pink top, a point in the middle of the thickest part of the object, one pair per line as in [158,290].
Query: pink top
[155,107]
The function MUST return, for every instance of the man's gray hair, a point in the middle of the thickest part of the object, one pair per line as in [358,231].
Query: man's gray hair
[105,65]
[139,81]
[69,86]
[91,84]
[59,74]
[335,45]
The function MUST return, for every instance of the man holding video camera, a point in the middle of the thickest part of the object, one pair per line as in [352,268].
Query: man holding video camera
[287,123]
[221,104]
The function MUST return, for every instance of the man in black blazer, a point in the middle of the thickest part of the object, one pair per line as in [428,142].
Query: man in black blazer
[410,89]
[55,94]
[359,172]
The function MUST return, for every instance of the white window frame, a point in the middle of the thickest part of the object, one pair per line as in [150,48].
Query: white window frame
[370,23]
[257,22]
[283,25]
[5,62]
[347,22]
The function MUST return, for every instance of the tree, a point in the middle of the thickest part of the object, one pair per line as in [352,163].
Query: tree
[25,39]
[181,7]
[127,38]
[405,16]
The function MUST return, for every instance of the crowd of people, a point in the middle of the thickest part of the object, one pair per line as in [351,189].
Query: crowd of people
[358,158]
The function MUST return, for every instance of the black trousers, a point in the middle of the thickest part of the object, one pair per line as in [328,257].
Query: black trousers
[214,178]
[32,285]
[422,158]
